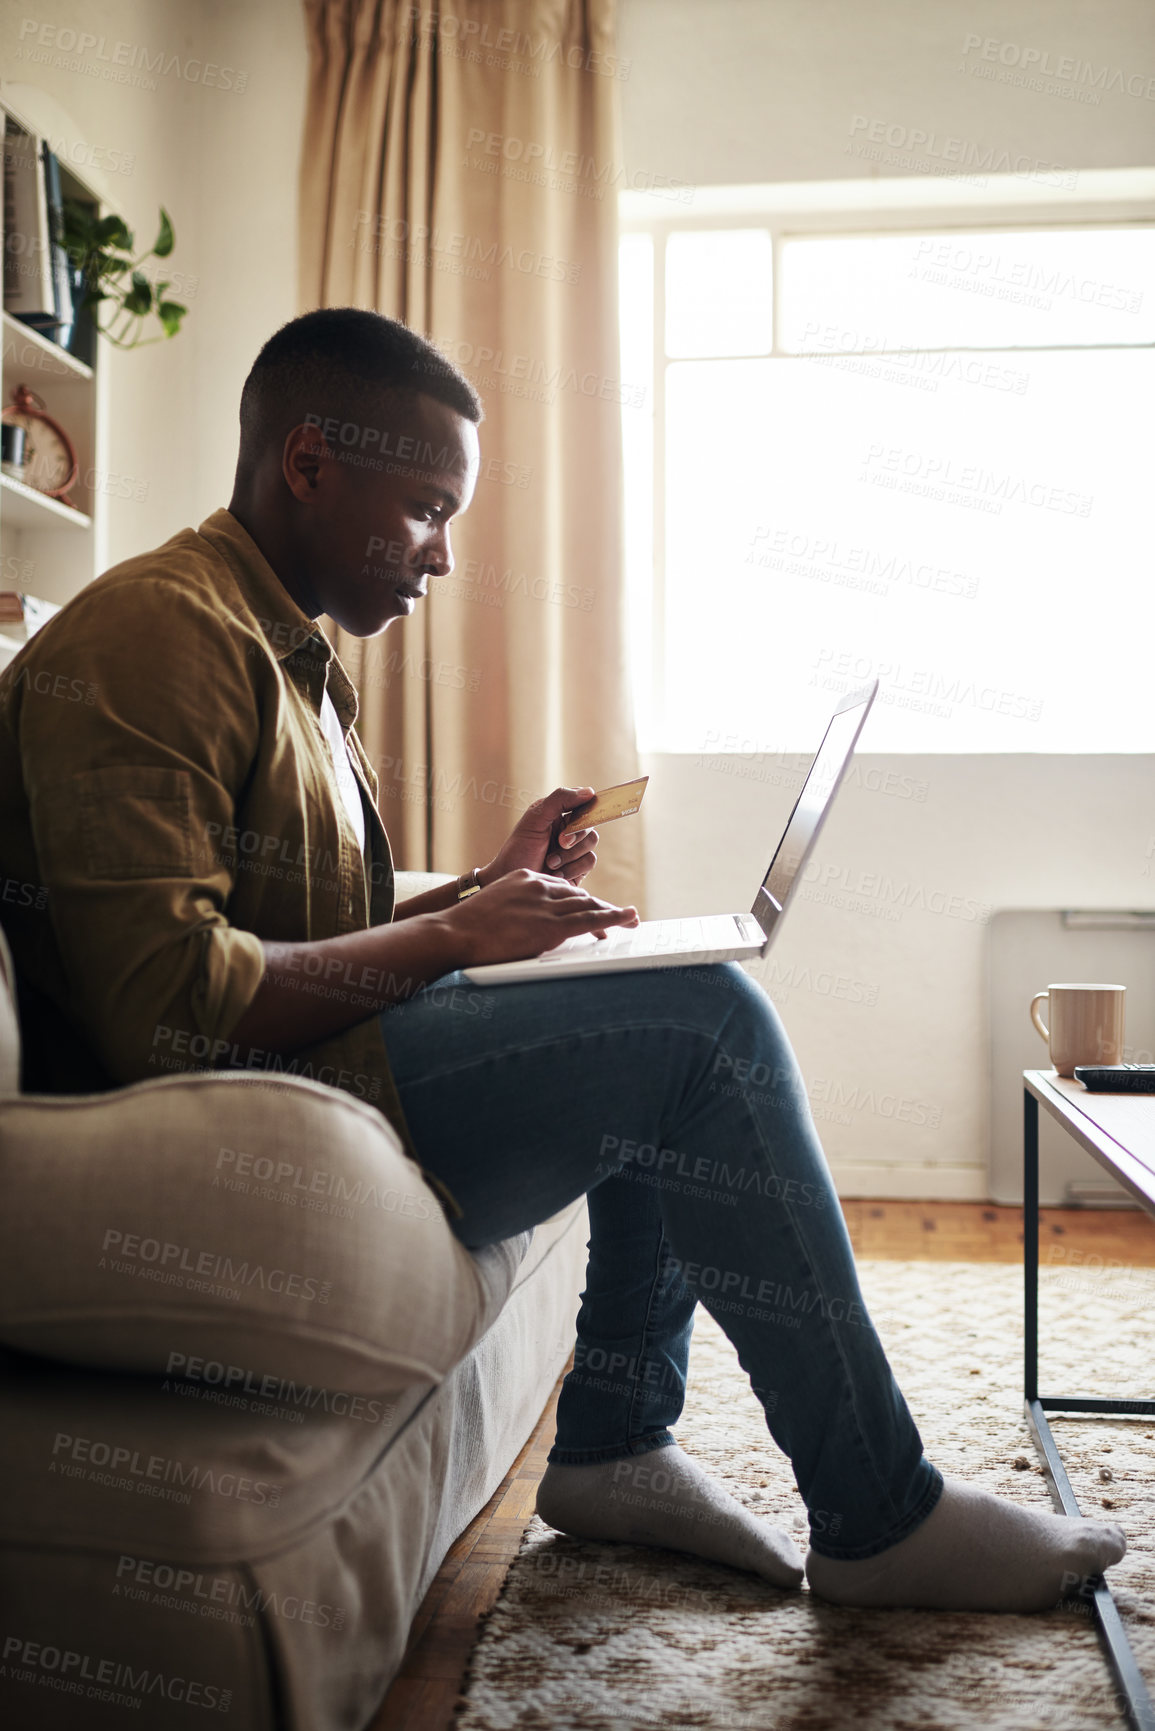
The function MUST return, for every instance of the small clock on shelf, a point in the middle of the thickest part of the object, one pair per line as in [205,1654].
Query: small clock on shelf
[50,464]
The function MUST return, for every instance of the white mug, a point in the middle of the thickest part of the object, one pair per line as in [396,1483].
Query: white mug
[1086,1024]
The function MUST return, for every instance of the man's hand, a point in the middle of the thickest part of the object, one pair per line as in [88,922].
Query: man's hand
[535,846]
[526,913]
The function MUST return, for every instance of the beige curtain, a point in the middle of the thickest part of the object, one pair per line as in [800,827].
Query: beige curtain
[460,169]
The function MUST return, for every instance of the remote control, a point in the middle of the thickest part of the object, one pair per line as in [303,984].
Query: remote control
[1117,1078]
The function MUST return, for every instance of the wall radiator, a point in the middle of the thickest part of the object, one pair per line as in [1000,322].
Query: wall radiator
[1027,951]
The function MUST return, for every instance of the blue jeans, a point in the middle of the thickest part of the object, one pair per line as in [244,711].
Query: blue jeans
[671,1098]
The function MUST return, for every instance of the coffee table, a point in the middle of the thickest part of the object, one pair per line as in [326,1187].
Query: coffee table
[1117,1130]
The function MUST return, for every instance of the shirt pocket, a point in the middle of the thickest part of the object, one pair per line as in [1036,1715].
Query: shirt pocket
[135,822]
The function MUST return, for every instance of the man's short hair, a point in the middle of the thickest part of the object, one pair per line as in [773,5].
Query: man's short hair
[333,363]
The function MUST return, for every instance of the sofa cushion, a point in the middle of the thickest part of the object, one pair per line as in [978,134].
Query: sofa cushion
[273,1555]
[264,1227]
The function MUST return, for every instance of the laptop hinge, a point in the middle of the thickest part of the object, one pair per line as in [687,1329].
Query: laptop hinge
[765,910]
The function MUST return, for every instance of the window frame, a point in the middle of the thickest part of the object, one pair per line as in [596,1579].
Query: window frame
[1114,198]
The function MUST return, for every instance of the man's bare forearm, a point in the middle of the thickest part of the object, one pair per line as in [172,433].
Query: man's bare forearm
[310,992]
[437,900]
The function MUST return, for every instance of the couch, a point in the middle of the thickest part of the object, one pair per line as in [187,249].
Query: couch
[252,1390]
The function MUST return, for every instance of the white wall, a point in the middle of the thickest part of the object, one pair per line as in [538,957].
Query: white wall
[879,972]
[888,1014]
[223,161]
[728,91]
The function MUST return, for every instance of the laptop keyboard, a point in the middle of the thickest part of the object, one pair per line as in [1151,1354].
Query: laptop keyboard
[652,938]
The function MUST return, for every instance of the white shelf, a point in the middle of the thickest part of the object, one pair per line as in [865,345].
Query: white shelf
[60,549]
[25,508]
[52,359]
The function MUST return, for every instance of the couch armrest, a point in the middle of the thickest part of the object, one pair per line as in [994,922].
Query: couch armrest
[273,1226]
[9,1023]
[408,884]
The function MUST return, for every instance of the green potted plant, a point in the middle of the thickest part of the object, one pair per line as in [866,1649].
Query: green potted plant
[111,293]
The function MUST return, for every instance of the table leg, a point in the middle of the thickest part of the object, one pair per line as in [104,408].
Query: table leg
[1132,1697]
[1030,1245]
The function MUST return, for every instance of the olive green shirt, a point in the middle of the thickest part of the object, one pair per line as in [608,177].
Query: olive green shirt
[167,800]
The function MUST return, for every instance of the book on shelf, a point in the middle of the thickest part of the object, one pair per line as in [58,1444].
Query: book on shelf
[61,280]
[22,615]
[28,280]
[37,282]
[37,612]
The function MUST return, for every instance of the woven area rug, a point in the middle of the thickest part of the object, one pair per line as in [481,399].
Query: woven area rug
[596,1637]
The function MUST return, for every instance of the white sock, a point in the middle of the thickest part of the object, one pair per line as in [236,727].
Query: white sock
[975,1552]
[663,1498]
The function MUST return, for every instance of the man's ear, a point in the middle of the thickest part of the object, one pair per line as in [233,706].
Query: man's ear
[305,454]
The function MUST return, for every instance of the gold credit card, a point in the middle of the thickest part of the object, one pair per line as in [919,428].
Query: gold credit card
[621,801]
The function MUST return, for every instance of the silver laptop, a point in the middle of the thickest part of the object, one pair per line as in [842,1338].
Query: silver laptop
[714,937]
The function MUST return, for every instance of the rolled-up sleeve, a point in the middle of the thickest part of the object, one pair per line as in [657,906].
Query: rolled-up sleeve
[137,728]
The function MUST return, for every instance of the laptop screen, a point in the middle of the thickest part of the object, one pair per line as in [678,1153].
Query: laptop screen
[812,805]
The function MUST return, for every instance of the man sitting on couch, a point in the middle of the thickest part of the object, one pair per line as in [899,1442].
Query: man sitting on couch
[220,892]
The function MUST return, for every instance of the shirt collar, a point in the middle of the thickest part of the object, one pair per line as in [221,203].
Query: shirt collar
[289,631]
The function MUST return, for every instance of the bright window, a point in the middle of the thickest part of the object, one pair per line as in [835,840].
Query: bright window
[924,454]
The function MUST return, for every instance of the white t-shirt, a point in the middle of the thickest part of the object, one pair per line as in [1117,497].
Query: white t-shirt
[346,780]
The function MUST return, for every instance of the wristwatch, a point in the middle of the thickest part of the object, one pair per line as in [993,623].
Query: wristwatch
[469,883]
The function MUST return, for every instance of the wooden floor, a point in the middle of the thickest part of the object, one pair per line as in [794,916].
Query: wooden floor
[469,1581]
